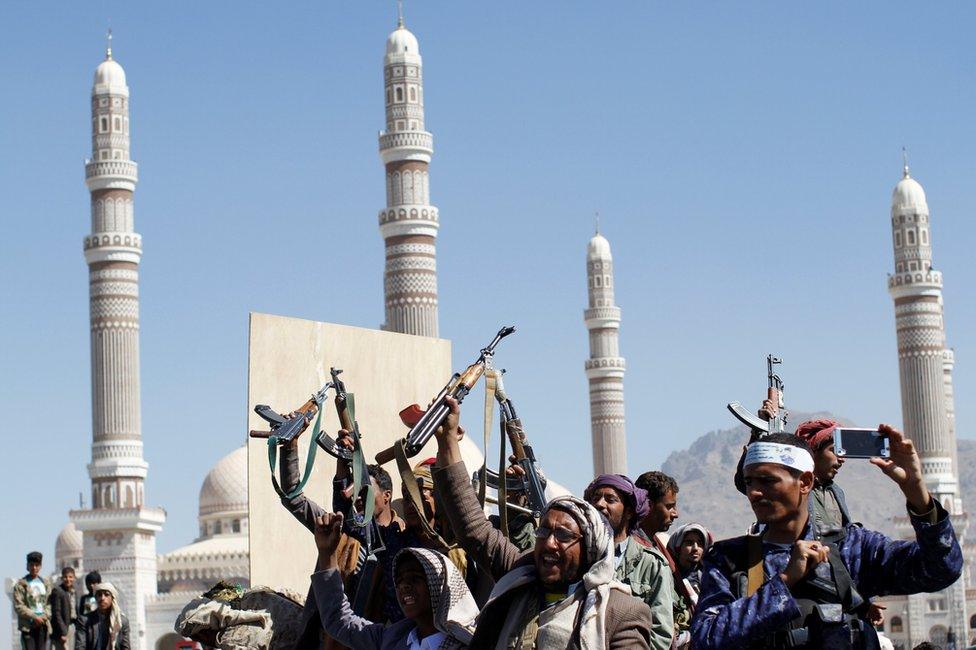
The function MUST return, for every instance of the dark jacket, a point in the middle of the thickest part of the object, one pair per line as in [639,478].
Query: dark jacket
[877,565]
[628,619]
[62,611]
[86,638]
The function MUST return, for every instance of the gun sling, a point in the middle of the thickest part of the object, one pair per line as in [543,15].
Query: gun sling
[412,492]
[309,460]
[360,478]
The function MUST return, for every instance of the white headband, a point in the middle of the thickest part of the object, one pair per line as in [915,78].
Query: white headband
[779,454]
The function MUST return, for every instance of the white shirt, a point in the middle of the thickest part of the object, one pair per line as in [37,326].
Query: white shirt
[431,642]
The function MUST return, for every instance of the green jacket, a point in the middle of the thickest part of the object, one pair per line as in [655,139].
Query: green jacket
[24,604]
[646,571]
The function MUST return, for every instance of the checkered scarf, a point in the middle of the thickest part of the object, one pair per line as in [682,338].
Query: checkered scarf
[454,609]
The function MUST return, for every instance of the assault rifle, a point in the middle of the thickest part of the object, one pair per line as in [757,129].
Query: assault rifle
[774,393]
[524,456]
[287,429]
[426,423]
[362,486]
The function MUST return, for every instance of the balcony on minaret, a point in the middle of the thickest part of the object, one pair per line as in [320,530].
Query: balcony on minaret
[602,318]
[111,174]
[406,145]
[605,368]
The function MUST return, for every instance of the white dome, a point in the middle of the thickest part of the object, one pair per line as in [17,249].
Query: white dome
[69,542]
[402,41]
[224,490]
[909,194]
[598,248]
[110,77]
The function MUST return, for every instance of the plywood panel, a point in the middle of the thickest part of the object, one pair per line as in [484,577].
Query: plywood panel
[288,360]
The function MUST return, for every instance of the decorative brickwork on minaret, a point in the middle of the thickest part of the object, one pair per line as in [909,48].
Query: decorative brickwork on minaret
[925,368]
[408,223]
[605,367]
[119,531]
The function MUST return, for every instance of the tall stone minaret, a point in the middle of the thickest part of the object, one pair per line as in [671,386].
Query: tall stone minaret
[408,223]
[605,367]
[119,531]
[925,367]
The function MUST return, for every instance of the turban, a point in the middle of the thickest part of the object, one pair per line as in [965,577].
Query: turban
[633,496]
[778,454]
[678,536]
[115,614]
[451,603]
[421,472]
[816,433]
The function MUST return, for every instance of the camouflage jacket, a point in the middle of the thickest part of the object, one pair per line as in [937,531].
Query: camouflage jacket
[646,572]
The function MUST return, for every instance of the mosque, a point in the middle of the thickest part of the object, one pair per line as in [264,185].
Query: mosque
[116,535]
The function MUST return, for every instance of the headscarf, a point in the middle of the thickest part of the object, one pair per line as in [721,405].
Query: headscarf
[816,433]
[634,496]
[451,603]
[678,536]
[558,623]
[114,614]
[421,472]
[778,453]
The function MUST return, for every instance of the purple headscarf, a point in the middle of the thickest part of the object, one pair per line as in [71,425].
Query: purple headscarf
[634,496]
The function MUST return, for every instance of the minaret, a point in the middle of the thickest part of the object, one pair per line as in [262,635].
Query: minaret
[408,223]
[605,367]
[119,531]
[925,367]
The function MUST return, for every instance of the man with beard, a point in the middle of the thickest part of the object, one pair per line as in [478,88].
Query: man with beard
[790,588]
[562,594]
[662,496]
[638,563]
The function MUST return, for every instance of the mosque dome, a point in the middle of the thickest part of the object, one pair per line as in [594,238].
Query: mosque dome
[402,40]
[598,248]
[69,542]
[224,490]
[908,193]
[110,77]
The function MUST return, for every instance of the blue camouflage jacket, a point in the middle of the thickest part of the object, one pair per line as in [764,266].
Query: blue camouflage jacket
[878,566]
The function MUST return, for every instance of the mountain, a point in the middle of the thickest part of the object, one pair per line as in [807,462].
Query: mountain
[706,494]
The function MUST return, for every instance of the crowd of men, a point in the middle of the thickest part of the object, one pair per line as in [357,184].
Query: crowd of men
[602,571]
[52,615]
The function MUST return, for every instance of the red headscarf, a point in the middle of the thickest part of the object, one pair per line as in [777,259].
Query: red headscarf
[816,433]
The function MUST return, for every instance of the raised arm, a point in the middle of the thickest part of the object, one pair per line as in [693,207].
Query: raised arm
[300,506]
[452,483]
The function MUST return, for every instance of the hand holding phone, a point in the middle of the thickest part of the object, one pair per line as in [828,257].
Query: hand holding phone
[850,442]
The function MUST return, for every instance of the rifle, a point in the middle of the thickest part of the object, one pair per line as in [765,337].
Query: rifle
[284,429]
[424,424]
[345,404]
[774,393]
[524,456]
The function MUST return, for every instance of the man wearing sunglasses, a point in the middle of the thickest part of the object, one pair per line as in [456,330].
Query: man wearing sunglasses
[560,594]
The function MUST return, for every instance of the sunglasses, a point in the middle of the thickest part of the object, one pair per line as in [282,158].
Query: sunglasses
[562,535]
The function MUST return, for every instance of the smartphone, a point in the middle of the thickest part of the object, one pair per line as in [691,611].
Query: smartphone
[860,443]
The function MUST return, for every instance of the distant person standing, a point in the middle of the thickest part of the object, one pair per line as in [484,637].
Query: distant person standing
[662,495]
[62,601]
[31,604]
[87,604]
[107,628]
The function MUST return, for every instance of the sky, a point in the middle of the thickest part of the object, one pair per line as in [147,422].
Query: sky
[741,156]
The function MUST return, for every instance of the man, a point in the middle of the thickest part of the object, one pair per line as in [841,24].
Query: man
[638,563]
[438,609]
[788,588]
[32,606]
[107,628]
[686,547]
[562,594]
[662,495]
[87,604]
[63,611]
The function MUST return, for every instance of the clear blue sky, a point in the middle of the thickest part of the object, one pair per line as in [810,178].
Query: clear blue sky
[742,156]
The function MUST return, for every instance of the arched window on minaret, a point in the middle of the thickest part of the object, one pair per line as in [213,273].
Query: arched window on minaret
[129,497]
[911,236]
[408,187]
[397,190]
[413,94]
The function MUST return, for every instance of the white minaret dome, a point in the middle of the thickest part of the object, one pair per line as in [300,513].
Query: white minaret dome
[598,248]
[224,490]
[908,193]
[402,40]
[110,77]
